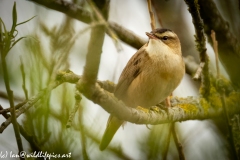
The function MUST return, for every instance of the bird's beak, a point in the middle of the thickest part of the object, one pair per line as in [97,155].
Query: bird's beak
[151,36]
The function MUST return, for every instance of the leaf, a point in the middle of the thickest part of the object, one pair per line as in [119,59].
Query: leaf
[5,30]
[16,42]
[6,39]
[14,17]
[26,21]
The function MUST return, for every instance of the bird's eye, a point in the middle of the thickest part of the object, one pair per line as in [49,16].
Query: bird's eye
[164,38]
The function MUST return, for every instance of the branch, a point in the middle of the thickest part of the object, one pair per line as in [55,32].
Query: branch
[183,109]
[67,7]
[127,36]
[19,105]
[76,12]
[200,39]
[94,50]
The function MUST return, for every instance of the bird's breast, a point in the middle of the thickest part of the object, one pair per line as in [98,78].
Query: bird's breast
[157,80]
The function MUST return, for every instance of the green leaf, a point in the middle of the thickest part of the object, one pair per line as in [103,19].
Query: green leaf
[16,42]
[26,21]
[5,29]
[6,39]
[14,17]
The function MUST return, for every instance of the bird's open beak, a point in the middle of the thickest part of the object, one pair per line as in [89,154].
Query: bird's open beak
[151,36]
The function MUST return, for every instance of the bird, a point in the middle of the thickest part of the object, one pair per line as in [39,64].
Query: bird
[149,77]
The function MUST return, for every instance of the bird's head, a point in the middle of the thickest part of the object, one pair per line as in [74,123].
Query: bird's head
[164,37]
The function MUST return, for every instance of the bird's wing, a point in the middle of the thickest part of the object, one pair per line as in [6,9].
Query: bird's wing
[133,68]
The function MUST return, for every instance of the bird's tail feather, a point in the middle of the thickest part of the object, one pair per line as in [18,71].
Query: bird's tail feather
[112,127]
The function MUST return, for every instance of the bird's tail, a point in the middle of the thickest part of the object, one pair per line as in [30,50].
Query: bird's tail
[112,127]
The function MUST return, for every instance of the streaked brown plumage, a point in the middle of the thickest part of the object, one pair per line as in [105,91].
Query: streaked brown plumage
[151,75]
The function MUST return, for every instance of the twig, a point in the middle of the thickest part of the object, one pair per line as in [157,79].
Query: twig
[198,73]
[19,105]
[78,99]
[215,48]
[5,115]
[158,14]
[5,96]
[151,15]
[228,123]
[23,77]
[178,144]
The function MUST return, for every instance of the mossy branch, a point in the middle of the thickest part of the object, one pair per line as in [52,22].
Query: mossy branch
[200,40]
[229,46]
[189,108]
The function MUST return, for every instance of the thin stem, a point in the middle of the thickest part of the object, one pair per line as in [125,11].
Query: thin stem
[178,143]
[78,99]
[151,14]
[228,123]
[11,101]
[215,48]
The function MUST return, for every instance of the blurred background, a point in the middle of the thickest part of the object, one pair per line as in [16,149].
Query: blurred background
[57,42]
